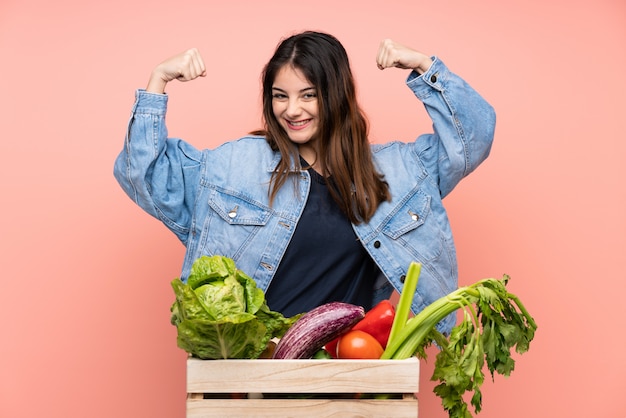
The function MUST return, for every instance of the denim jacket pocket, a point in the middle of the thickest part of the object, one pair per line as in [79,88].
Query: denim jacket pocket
[236,210]
[232,224]
[412,227]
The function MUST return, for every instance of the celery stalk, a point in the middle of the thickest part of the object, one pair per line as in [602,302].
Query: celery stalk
[495,323]
[403,309]
[412,334]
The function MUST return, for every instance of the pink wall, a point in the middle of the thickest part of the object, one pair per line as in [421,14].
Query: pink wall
[85,274]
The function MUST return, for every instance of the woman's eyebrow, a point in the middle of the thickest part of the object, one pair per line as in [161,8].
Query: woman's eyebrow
[301,91]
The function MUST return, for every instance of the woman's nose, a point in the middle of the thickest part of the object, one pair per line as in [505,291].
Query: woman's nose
[293,108]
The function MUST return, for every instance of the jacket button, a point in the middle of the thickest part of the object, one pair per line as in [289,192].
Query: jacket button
[402,278]
[233,212]
[433,78]
[376,244]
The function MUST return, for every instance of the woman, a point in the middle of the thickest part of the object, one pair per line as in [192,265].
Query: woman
[306,206]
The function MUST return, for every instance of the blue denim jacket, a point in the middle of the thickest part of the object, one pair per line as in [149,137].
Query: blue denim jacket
[216,201]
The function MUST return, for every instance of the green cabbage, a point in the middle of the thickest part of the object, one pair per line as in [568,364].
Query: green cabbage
[220,313]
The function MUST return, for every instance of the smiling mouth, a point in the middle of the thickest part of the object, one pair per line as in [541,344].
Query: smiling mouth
[297,124]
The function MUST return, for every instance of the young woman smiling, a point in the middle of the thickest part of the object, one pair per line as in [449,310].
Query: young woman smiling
[306,205]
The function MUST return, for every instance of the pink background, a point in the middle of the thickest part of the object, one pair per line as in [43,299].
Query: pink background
[85,288]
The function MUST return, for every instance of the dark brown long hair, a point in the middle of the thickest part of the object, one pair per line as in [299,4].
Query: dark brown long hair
[342,139]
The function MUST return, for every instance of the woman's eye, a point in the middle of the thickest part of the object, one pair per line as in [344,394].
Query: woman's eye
[310,96]
[279,96]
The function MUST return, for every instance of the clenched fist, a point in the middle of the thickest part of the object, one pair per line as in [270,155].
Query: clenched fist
[185,66]
[392,54]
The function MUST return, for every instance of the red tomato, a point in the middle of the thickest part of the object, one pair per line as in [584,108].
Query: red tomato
[356,344]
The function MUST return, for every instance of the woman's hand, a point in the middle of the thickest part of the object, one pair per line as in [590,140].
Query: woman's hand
[392,54]
[185,66]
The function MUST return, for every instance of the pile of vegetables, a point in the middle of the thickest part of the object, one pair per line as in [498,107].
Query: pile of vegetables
[338,330]
[220,313]
[494,323]
[368,338]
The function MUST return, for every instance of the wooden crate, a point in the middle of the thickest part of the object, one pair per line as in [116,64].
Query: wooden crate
[327,386]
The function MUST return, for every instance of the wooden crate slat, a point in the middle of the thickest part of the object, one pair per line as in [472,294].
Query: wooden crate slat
[300,408]
[303,376]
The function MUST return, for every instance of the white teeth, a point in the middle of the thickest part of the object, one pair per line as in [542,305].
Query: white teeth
[300,123]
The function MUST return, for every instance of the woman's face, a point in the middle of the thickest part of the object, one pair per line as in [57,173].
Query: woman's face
[294,102]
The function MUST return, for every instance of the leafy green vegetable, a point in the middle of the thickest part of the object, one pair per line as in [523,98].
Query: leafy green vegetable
[221,313]
[494,323]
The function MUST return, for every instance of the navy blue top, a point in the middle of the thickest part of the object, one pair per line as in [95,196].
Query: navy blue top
[324,261]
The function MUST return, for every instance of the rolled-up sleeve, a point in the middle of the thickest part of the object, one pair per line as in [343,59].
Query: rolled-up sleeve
[463,123]
[158,173]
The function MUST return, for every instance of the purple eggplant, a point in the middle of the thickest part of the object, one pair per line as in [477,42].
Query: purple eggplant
[316,328]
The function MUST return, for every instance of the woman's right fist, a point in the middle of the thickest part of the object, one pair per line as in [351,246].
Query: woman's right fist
[185,66]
